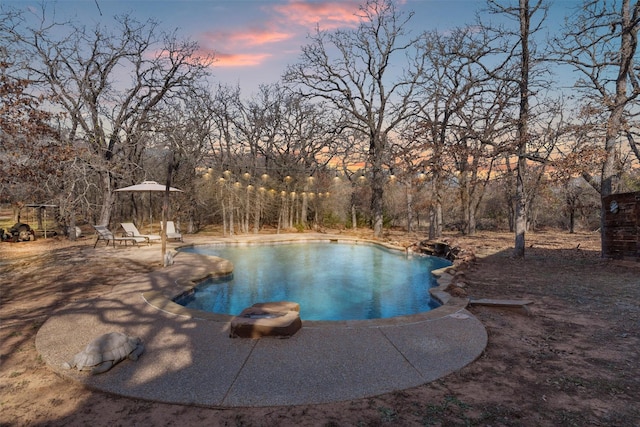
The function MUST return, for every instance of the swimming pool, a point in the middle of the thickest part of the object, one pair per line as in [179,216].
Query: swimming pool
[330,281]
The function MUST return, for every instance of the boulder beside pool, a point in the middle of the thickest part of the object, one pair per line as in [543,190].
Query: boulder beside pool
[105,351]
[270,319]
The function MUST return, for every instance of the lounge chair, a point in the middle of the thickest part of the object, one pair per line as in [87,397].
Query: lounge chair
[105,234]
[171,231]
[131,231]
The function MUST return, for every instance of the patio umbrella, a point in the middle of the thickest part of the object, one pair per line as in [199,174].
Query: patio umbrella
[149,186]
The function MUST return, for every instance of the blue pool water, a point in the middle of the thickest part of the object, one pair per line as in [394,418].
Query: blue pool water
[330,281]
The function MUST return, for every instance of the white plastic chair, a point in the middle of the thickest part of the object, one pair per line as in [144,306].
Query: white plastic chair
[171,231]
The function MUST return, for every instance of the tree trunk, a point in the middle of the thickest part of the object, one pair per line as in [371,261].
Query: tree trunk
[471,223]
[572,220]
[610,166]
[435,215]
[465,202]
[511,216]
[304,210]
[377,184]
[377,210]
[16,209]
[247,216]
[432,223]
[409,208]
[72,227]
[108,198]
[258,213]
[292,208]
[230,210]
[281,213]
[438,218]
[354,214]
[435,220]
[225,224]
[520,219]
[165,211]
[523,133]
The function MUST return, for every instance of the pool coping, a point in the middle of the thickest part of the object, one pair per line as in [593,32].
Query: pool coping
[192,361]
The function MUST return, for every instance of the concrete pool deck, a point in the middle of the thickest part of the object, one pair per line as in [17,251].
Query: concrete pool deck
[190,359]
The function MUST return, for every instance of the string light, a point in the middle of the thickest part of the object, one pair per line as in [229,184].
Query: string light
[291,184]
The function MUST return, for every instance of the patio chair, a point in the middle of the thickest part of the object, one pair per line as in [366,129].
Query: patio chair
[131,231]
[105,234]
[171,231]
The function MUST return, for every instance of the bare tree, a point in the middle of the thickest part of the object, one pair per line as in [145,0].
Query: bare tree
[353,70]
[352,159]
[82,70]
[600,41]
[308,139]
[275,140]
[462,111]
[225,147]
[477,143]
[520,64]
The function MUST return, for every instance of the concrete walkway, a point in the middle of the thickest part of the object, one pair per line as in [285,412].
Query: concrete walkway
[190,359]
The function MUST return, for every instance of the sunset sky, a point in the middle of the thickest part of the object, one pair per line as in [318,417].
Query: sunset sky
[254,40]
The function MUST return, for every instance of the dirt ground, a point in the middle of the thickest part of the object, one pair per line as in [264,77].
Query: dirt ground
[573,361]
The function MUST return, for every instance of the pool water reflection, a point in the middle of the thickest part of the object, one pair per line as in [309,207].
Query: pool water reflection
[330,281]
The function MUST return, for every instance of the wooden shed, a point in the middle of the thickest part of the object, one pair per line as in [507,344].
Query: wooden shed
[621,238]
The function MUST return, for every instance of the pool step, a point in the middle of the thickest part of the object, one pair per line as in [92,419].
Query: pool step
[270,319]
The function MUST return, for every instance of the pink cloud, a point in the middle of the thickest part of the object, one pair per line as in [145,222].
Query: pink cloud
[246,38]
[230,59]
[243,47]
[252,46]
[327,14]
[240,59]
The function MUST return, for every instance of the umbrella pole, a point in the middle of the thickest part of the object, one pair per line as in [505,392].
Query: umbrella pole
[150,214]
